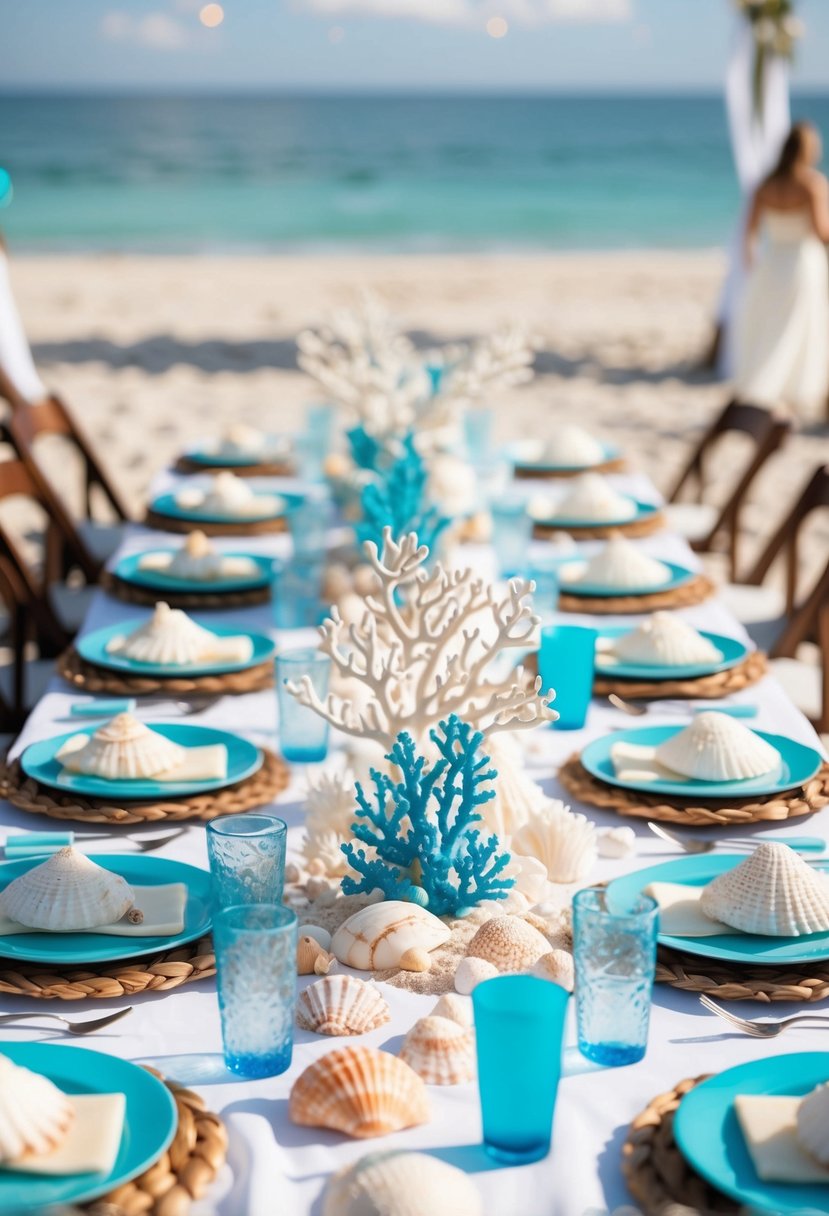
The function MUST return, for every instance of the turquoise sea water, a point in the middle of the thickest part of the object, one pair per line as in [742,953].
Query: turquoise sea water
[386,173]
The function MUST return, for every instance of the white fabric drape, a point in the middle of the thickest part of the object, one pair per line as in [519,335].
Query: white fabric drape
[15,356]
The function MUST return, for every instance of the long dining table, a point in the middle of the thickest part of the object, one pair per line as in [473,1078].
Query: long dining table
[275,1166]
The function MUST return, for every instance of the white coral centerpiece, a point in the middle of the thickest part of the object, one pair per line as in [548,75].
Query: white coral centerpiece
[330,805]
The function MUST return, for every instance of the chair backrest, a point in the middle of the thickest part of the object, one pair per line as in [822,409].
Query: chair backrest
[784,542]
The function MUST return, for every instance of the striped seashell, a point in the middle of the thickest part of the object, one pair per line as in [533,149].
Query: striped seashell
[122,748]
[620,565]
[401,1184]
[591,497]
[564,842]
[716,747]
[440,1051]
[376,937]
[665,640]
[359,1091]
[773,893]
[35,1115]
[341,1004]
[67,892]
[508,943]
[456,1007]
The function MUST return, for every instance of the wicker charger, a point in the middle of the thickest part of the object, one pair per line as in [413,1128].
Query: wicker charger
[148,597]
[635,527]
[696,590]
[93,679]
[244,527]
[260,788]
[182,1174]
[792,804]
[265,468]
[657,1175]
[528,472]
[721,684]
[804,983]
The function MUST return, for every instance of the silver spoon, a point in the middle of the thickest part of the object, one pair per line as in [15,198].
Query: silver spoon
[88,1027]
[637,711]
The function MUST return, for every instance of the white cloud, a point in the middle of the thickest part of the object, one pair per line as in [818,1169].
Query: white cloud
[475,12]
[157,30]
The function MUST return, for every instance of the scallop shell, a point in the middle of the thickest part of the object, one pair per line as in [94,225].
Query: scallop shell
[557,966]
[716,747]
[573,445]
[456,1007]
[359,1091]
[620,564]
[516,794]
[508,943]
[241,440]
[123,748]
[562,840]
[227,492]
[773,893]
[341,1004]
[665,640]
[440,1051]
[374,938]
[170,637]
[34,1114]
[592,497]
[472,971]
[65,893]
[616,842]
[196,559]
[401,1184]
[813,1124]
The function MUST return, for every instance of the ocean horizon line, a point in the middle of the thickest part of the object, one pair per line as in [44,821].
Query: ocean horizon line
[404,93]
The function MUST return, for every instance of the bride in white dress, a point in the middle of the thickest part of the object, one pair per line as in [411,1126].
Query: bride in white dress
[782,332]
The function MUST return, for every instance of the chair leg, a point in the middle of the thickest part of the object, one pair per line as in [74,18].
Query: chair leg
[822,723]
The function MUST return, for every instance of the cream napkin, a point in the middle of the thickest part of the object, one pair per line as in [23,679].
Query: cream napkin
[224,567]
[207,763]
[635,762]
[91,1144]
[680,914]
[769,1125]
[163,907]
[222,650]
[257,507]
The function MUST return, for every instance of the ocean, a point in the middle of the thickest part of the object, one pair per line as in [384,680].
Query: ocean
[383,173]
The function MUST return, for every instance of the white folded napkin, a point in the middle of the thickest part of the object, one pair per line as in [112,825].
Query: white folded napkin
[636,762]
[680,914]
[769,1125]
[91,1144]
[163,907]
[257,507]
[212,569]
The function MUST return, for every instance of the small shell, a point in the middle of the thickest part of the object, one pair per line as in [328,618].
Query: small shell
[318,933]
[376,937]
[341,1004]
[509,943]
[455,1007]
[34,1114]
[308,950]
[616,842]
[67,892]
[292,873]
[401,1184]
[563,841]
[471,971]
[415,959]
[440,1051]
[359,1091]
[315,887]
[558,966]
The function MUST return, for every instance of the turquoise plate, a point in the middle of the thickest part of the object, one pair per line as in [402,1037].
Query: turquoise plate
[732,650]
[644,510]
[84,948]
[732,947]
[542,467]
[243,758]
[215,460]
[129,571]
[709,1136]
[679,577]
[93,648]
[798,764]
[150,1123]
[167,505]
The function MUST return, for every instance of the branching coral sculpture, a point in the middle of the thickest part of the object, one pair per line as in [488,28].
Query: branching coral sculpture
[398,500]
[419,828]
[424,650]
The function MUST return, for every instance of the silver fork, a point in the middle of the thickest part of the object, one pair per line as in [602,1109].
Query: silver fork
[88,1027]
[690,844]
[140,846]
[761,1030]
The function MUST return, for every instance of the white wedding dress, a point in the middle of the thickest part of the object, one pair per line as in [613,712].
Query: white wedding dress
[782,332]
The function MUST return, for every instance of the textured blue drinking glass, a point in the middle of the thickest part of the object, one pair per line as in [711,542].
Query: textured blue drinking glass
[544,572]
[566,662]
[477,433]
[303,735]
[511,531]
[313,444]
[296,591]
[615,956]
[247,859]
[308,523]
[519,1025]
[256,979]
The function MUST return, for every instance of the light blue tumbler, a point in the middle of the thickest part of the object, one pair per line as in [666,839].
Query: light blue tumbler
[303,734]
[566,662]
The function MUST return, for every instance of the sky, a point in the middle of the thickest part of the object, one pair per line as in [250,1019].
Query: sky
[437,45]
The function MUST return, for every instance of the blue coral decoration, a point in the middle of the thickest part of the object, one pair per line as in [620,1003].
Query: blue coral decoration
[366,451]
[398,501]
[420,828]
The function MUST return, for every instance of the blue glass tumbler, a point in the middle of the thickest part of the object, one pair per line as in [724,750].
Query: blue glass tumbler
[308,522]
[296,591]
[247,859]
[511,532]
[544,571]
[477,432]
[519,1026]
[303,734]
[566,662]
[256,980]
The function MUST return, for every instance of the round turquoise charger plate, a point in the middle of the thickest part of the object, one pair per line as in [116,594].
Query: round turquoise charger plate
[85,948]
[544,466]
[798,764]
[709,1137]
[644,510]
[243,758]
[733,947]
[150,1123]
[269,454]
[680,575]
[129,570]
[166,505]
[732,650]
[93,648]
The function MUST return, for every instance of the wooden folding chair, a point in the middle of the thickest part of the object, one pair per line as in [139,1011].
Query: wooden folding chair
[700,522]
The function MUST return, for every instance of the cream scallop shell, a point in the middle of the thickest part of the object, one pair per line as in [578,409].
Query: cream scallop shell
[123,748]
[196,559]
[563,841]
[341,1004]
[558,966]
[374,938]
[508,943]
[456,1007]
[813,1124]
[716,747]
[34,1114]
[401,1184]
[171,638]
[66,893]
[472,971]
[440,1051]
[359,1091]
[573,445]
[591,497]
[620,565]
[665,640]
[239,439]
[773,893]
[516,794]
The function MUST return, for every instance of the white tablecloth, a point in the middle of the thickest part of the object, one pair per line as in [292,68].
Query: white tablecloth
[277,1167]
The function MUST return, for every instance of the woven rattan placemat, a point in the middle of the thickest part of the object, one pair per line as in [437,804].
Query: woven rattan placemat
[245,527]
[636,527]
[705,812]
[696,590]
[259,789]
[528,472]
[276,468]
[721,684]
[804,983]
[148,597]
[93,679]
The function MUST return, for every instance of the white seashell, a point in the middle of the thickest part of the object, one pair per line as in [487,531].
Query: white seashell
[508,943]
[813,1124]
[440,1051]
[359,1091]
[415,959]
[773,893]
[34,1114]
[241,440]
[171,637]
[452,485]
[573,446]
[196,559]
[616,842]
[123,748]
[472,971]
[620,564]
[563,841]
[341,1004]
[557,966]
[456,1007]
[227,494]
[531,882]
[665,640]
[516,794]
[592,497]
[322,936]
[65,893]
[716,747]
[330,804]
[374,938]
[401,1184]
